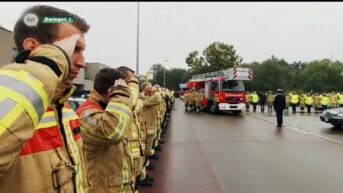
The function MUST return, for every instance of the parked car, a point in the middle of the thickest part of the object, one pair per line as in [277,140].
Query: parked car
[333,116]
[75,102]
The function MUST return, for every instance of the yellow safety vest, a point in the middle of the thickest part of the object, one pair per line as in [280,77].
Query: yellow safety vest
[308,100]
[340,100]
[325,100]
[254,98]
[294,98]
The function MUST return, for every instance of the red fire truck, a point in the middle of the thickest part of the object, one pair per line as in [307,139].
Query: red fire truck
[224,90]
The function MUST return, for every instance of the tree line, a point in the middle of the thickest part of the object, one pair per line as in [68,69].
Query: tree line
[317,76]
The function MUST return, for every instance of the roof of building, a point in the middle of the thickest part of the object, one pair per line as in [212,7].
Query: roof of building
[1,27]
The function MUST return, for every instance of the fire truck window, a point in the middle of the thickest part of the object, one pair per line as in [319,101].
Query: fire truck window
[232,85]
[214,86]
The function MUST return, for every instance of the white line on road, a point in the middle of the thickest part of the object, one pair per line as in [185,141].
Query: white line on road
[301,131]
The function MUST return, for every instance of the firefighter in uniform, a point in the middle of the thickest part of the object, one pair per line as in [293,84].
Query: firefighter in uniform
[151,102]
[270,100]
[134,143]
[333,100]
[106,121]
[324,102]
[288,100]
[247,101]
[145,180]
[191,98]
[308,102]
[33,94]
[159,110]
[198,98]
[316,102]
[302,102]
[186,100]
[254,99]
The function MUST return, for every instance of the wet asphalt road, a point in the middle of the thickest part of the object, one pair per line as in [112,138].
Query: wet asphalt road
[247,154]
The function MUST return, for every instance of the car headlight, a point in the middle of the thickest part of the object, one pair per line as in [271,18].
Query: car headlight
[333,112]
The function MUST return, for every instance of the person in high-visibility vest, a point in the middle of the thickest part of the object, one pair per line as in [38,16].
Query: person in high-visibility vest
[316,102]
[294,101]
[324,102]
[308,102]
[333,100]
[288,100]
[254,99]
[247,102]
[340,99]
[270,100]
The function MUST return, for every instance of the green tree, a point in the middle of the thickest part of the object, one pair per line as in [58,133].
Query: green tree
[322,75]
[271,74]
[216,56]
[220,56]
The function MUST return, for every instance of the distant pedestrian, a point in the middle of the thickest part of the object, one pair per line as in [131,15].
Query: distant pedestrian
[263,98]
[255,99]
[279,106]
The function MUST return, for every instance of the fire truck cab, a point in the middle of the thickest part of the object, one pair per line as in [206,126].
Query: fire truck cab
[223,90]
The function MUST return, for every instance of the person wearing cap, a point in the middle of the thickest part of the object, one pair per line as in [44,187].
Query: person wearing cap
[279,105]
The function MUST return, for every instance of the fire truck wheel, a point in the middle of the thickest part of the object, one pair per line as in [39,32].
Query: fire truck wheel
[213,108]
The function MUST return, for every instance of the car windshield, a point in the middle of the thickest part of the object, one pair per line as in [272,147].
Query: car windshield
[232,85]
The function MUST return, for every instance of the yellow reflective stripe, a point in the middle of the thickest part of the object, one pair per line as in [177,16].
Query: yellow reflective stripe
[6,105]
[2,128]
[125,174]
[118,130]
[119,107]
[29,80]
[134,94]
[123,113]
[12,115]
[151,132]
[22,101]
[2,98]
[135,152]
[69,114]
[48,120]
[74,153]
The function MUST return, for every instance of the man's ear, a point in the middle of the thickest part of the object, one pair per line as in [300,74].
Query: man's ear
[30,44]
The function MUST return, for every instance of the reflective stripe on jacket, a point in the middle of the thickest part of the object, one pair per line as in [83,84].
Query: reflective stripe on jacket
[103,129]
[41,149]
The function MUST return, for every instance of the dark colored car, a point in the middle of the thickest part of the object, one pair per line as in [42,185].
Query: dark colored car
[333,116]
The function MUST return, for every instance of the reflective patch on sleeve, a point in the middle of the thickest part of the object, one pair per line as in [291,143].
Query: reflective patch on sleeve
[26,91]
[119,107]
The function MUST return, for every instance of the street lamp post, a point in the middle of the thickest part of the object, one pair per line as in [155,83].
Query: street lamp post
[164,73]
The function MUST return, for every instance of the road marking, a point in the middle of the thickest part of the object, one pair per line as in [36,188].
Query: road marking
[302,131]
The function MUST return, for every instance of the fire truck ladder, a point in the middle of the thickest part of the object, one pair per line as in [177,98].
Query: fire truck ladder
[209,75]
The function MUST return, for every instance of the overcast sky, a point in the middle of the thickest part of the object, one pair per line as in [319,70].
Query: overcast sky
[170,30]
